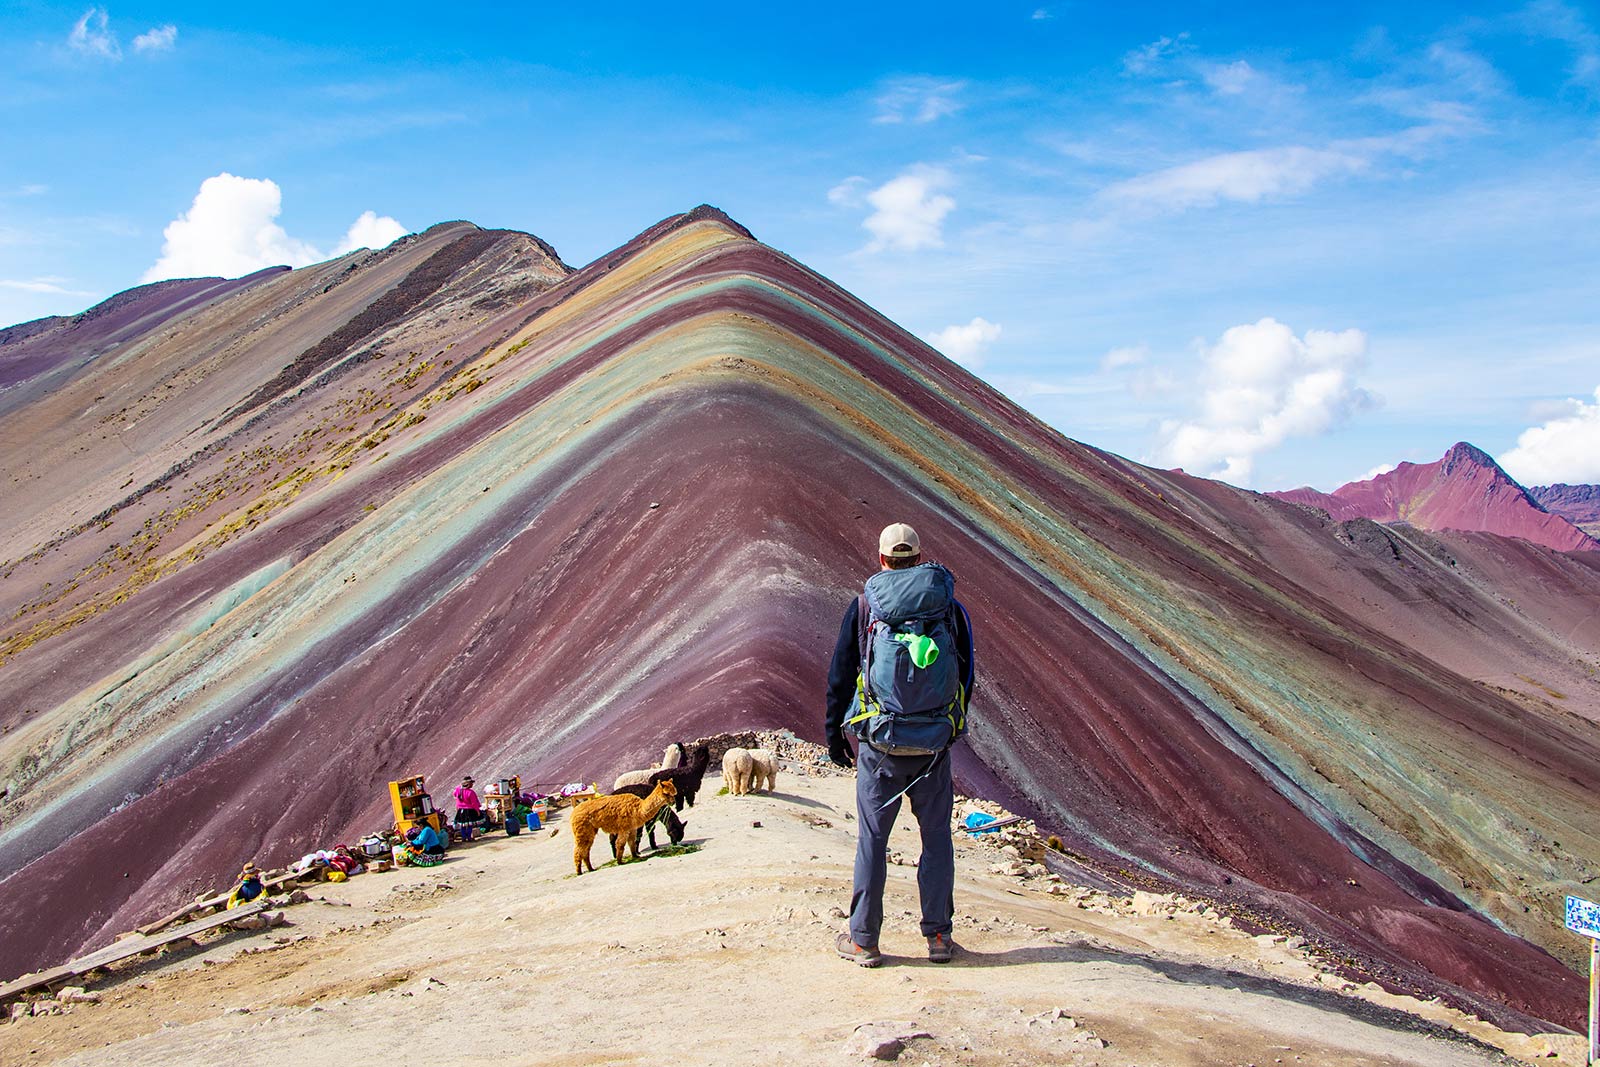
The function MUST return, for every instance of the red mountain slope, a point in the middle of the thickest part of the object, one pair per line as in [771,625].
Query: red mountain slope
[1466,490]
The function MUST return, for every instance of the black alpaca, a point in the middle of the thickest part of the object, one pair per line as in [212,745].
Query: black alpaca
[686,778]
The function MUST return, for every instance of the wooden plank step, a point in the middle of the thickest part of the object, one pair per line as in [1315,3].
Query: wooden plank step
[123,949]
[182,913]
[288,879]
[29,982]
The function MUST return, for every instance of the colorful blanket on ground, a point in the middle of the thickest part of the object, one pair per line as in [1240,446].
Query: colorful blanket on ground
[405,856]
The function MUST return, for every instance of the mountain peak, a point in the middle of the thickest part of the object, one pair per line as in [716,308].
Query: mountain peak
[1463,453]
[1465,489]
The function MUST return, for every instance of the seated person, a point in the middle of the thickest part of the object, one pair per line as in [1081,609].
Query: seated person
[248,887]
[426,840]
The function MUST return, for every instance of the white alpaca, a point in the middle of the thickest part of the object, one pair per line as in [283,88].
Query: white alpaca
[673,757]
[627,778]
[765,770]
[737,770]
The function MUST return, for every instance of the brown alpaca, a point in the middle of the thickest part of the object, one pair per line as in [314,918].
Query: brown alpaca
[619,815]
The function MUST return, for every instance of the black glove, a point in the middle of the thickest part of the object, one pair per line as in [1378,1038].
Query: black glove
[839,751]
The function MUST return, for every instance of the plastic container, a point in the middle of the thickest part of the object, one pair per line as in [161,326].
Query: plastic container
[533,820]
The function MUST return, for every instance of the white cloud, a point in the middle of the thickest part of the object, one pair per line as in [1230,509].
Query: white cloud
[1231,79]
[229,231]
[157,39]
[1382,468]
[1241,176]
[370,231]
[918,99]
[91,35]
[1563,449]
[1261,386]
[908,212]
[42,285]
[1465,70]
[1041,14]
[1144,57]
[966,344]
[1127,356]
[848,192]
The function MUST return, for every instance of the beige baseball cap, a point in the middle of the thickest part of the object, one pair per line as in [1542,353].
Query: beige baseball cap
[898,541]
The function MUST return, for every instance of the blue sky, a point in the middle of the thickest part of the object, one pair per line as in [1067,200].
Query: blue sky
[1283,246]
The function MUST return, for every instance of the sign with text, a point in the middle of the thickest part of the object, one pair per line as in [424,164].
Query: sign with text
[1583,916]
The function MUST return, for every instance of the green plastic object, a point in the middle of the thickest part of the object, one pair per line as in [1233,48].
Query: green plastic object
[923,649]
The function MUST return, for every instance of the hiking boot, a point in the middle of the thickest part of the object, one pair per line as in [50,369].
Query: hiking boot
[866,957]
[940,948]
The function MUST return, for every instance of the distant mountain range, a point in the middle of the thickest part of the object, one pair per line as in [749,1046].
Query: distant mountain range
[1465,490]
[1578,504]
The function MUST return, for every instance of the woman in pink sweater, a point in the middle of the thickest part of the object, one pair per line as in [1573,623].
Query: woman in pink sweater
[469,812]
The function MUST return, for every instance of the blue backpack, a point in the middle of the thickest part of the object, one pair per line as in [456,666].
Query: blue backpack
[909,699]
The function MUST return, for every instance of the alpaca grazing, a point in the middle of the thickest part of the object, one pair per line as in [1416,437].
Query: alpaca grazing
[673,757]
[737,770]
[667,818]
[620,814]
[765,773]
[686,779]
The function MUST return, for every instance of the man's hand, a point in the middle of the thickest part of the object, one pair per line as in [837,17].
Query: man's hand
[839,751]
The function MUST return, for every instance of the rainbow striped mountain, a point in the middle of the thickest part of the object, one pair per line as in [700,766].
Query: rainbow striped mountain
[455,506]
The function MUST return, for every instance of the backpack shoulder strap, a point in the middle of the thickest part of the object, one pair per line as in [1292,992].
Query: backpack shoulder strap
[863,627]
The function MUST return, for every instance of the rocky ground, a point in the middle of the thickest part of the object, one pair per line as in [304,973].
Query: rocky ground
[723,955]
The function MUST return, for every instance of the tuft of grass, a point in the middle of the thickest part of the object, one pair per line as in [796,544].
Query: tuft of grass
[664,850]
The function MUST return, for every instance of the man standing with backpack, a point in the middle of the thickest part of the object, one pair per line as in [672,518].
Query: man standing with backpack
[900,681]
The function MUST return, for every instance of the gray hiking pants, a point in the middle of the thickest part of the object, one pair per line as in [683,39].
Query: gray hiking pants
[879,777]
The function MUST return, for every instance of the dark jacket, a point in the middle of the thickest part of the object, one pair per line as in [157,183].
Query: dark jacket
[847,664]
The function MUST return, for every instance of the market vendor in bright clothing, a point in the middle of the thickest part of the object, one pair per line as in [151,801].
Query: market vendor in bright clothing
[469,811]
[423,847]
[247,887]
[426,840]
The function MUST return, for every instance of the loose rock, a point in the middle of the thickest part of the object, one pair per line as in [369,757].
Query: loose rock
[882,1040]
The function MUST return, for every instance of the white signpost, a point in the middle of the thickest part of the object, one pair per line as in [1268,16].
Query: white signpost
[1583,916]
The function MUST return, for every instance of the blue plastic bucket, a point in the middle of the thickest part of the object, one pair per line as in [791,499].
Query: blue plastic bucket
[533,820]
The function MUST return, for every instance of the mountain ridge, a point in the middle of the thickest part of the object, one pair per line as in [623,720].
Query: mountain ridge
[1578,504]
[446,557]
[1465,489]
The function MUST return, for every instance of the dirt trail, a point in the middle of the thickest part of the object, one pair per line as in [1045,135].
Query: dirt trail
[725,954]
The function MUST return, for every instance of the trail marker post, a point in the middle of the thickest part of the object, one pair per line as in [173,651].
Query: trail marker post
[1583,916]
